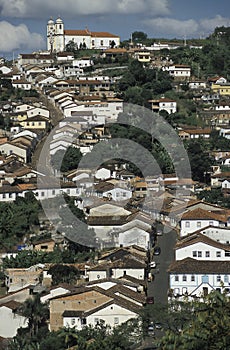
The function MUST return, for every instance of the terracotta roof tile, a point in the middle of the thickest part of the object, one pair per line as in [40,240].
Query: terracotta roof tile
[201,214]
[200,238]
[191,266]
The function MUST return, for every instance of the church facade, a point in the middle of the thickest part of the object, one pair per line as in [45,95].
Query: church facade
[58,37]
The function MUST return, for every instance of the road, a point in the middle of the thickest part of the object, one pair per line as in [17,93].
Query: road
[55,116]
[158,288]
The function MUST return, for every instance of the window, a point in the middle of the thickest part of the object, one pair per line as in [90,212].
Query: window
[184,278]
[116,320]
[199,254]
[93,42]
[176,278]
[192,278]
[194,253]
[226,278]
[207,254]
[218,278]
[218,254]
[72,321]
[102,43]
[187,224]
[210,223]
[53,192]
[205,279]
[184,290]
[96,320]
[198,224]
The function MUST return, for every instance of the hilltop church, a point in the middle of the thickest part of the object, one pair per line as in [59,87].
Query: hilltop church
[58,37]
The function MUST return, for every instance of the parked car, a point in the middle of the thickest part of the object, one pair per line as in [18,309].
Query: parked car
[151,332]
[150,277]
[150,300]
[152,264]
[157,251]
[158,325]
[159,232]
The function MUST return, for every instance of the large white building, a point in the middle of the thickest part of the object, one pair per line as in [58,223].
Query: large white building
[58,37]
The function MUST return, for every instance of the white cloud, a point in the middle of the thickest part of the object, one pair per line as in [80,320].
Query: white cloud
[209,24]
[19,37]
[172,27]
[39,9]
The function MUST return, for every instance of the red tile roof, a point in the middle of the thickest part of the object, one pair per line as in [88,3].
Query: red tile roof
[201,214]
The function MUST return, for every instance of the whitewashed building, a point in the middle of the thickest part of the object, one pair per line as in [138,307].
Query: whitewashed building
[58,37]
[195,278]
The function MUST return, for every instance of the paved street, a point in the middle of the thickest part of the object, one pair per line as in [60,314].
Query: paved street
[159,286]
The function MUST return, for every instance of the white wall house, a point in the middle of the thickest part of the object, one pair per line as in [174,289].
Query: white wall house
[178,71]
[164,104]
[22,107]
[117,269]
[107,110]
[38,111]
[194,220]
[10,319]
[59,290]
[118,194]
[225,184]
[9,193]
[225,133]
[200,247]
[219,234]
[9,148]
[194,278]
[113,313]
[58,37]
[197,84]
[103,173]
[117,230]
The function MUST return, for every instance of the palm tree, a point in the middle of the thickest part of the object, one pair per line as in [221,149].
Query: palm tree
[70,336]
[36,313]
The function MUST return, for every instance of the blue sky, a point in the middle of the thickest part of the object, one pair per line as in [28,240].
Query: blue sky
[23,22]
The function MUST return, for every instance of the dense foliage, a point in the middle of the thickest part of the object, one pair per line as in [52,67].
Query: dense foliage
[66,160]
[17,219]
[100,337]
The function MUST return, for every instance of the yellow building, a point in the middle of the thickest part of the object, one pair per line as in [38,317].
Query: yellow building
[222,89]
[143,56]
[36,122]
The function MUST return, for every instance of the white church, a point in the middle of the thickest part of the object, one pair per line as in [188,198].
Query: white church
[58,37]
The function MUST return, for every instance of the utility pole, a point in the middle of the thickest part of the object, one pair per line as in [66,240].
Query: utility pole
[185,40]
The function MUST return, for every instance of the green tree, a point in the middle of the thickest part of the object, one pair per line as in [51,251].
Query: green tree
[36,313]
[68,160]
[63,274]
[200,160]
[206,327]
[139,36]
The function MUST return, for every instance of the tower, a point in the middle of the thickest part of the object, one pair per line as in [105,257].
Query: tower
[55,35]
[50,35]
[59,35]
